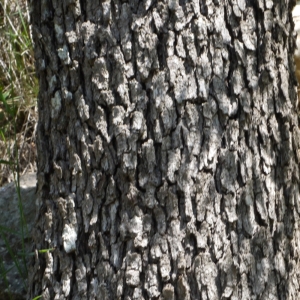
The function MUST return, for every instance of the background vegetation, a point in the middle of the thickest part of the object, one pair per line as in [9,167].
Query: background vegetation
[18,117]
[18,91]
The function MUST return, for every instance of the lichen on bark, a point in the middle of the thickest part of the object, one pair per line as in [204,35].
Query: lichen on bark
[167,150]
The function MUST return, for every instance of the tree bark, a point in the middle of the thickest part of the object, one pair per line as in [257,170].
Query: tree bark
[168,150]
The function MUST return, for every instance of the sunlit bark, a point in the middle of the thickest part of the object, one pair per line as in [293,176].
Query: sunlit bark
[168,146]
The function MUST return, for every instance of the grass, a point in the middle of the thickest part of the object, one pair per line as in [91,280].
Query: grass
[18,93]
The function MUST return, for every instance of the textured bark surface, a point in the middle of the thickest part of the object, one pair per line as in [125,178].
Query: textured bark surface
[168,150]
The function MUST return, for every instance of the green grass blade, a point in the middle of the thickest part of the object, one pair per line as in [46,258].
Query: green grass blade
[42,251]
[24,228]
[24,25]
[4,271]
[6,162]
[9,230]
[13,257]
[3,275]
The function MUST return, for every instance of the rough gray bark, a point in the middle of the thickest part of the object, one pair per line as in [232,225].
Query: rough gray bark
[168,150]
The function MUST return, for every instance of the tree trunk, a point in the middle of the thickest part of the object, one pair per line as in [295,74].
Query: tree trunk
[168,150]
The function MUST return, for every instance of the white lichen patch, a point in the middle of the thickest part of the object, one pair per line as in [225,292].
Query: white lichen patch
[67,95]
[135,226]
[56,105]
[83,110]
[63,54]
[69,237]
[185,86]
[118,115]
[137,121]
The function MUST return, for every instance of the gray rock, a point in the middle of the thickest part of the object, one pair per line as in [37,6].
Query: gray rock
[10,231]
